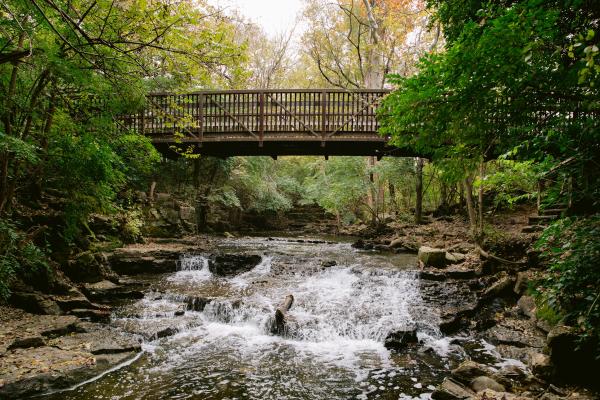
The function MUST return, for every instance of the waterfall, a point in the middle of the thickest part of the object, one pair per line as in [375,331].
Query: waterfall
[191,268]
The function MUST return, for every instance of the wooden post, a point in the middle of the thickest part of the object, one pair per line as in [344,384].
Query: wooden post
[142,120]
[261,132]
[323,116]
[201,118]
[280,314]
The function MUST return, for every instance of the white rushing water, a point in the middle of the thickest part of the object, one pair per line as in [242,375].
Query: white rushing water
[341,315]
[333,347]
[191,269]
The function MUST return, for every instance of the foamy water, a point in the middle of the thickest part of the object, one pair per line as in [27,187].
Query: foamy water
[333,347]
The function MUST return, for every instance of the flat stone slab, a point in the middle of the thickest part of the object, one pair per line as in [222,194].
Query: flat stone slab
[40,353]
[25,372]
[102,341]
[26,325]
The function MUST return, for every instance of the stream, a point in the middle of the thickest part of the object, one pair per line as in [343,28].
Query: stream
[334,348]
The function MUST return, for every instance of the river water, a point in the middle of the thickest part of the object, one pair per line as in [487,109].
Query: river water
[334,348]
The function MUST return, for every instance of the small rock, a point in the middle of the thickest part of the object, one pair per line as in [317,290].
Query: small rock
[165,333]
[195,303]
[179,313]
[527,306]
[329,263]
[397,243]
[451,390]
[499,288]
[455,258]
[232,264]
[399,340]
[522,282]
[549,396]
[92,315]
[27,342]
[432,257]
[359,244]
[469,370]
[541,365]
[483,382]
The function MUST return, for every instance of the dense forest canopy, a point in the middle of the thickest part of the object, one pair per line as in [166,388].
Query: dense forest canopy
[518,81]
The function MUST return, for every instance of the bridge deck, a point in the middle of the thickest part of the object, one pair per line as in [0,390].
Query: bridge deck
[264,122]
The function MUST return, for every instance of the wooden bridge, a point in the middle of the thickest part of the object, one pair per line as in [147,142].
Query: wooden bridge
[263,122]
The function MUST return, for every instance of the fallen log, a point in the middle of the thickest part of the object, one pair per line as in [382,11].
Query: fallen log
[281,314]
[487,255]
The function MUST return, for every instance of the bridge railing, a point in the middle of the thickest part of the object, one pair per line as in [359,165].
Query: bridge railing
[259,115]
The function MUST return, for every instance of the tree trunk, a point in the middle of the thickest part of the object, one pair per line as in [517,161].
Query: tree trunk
[468,183]
[480,200]
[372,194]
[393,204]
[443,197]
[419,191]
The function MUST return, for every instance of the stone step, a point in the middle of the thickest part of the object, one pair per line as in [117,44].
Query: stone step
[553,211]
[532,228]
[541,219]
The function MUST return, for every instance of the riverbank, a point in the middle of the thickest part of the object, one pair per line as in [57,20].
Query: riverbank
[474,297]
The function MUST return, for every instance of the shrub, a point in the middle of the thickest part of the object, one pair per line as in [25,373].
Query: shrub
[18,255]
[571,288]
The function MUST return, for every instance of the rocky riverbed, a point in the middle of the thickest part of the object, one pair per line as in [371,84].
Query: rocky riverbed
[380,321]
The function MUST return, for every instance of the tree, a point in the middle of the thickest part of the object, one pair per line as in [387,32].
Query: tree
[87,61]
[518,81]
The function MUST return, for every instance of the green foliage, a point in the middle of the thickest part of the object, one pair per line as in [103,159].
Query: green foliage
[571,289]
[18,255]
[87,171]
[20,149]
[340,185]
[509,182]
[138,158]
[506,84]
[131,225]
[257,185]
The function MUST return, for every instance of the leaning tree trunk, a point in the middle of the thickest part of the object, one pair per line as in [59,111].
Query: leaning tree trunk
[281,315]
[419,191]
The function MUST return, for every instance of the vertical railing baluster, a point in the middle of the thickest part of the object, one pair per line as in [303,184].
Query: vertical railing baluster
[261,118]
[323,116]
[201,118]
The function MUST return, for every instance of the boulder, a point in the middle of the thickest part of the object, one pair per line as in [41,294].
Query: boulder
[483,382]
[398,340]
[432,257]
[502,287]
[541,365]
[469,370]
[522,282]
[233,264]
[527,306]
[455,258]
[86,267]
[194,303]
[451,390]
[35,303]
[108,291]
